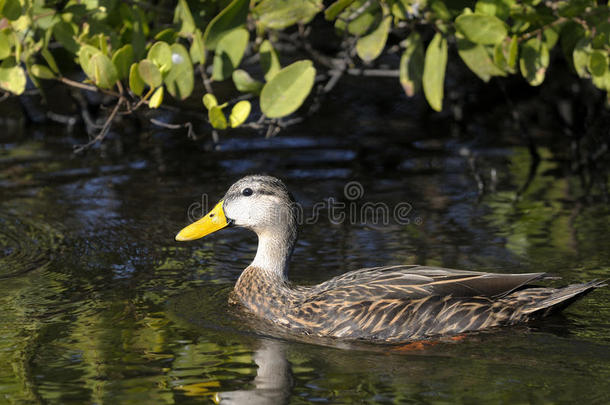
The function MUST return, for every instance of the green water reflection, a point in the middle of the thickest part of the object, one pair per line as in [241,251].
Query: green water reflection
[99,305]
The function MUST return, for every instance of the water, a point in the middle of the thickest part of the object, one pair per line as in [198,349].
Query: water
[99,304]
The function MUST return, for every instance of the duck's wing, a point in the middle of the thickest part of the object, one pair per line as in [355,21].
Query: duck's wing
[411,282]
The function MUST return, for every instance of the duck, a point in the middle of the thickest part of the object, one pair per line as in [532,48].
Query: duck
[389,304]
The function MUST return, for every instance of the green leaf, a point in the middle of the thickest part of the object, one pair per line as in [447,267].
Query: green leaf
[412,64]
[598,63]
[65,33]
[229,51]
[288,89]
[534,61]
[5,44]
[180,79]
[240,113]
[156,99]
[12,76]
[481,28]
[363,21]
[168,35]
[11,10]
[513,52]
[184,15]
[42,72]
[136,84]
[197,51]
[246,84]
[370,46]
[209,100]
[122,60]
[48,57]
[478,59]
[435,65]
[602,82]
[279,14]
[403,9]
[233,16]
[161,54]
[580,56]
[498,8]
[334,9]
[270,62]
[217,117]
[85,54]
[105,75]
[149,72]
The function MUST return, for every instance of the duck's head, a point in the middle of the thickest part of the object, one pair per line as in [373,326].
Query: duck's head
[260,203]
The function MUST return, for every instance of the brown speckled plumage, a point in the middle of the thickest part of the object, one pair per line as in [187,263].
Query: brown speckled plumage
[388,304]
[400,303]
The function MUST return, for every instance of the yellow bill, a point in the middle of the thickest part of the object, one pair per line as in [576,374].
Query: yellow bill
[211,222]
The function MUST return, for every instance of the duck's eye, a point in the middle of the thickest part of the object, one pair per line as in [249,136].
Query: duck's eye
[247,192]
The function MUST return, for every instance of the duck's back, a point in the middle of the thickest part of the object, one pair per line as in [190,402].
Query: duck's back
[399,303]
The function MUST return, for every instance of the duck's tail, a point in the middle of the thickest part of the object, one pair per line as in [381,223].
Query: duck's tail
[556,299]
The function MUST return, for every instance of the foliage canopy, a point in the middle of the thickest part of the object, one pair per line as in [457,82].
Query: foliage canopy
[138,53]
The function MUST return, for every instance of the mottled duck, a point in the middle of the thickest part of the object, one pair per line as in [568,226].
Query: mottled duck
[387,304]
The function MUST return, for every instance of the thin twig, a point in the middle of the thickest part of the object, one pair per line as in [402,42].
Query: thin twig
[88,87]
[102,134]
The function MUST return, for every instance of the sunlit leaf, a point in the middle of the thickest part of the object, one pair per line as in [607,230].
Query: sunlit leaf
[481,28]
[370,46]
[233,16]
[197,51]
[245,83]
[217,117]
[161,54]
[122,60]
[285,93]
[149,72]
[180,79]
[12,76]
[136,84]
[85,54]
[334,9]
[580,56]
[279,14]
[434,71]
[5,44]
[239,113]
[412,64]
[183,14]
[42,72]
[229,51]
[534,61]
[270,62]
[513,52]
[360,17]
[498,8]
[156,99]
[209,100]
[478,59]
[105,75]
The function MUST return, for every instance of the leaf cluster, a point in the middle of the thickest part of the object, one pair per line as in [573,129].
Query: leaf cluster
[139,52]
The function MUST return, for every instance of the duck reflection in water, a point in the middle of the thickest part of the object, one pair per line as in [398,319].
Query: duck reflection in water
[273,381]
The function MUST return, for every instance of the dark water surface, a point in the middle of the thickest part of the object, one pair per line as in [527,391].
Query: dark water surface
[99,304]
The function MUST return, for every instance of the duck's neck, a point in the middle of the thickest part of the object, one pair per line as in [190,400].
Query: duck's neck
[274,250]
[263,286]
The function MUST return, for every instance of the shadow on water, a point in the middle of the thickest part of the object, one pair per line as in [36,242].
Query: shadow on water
[98,303]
